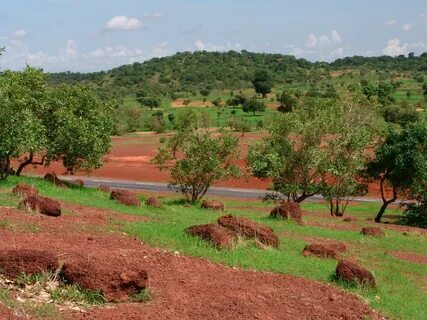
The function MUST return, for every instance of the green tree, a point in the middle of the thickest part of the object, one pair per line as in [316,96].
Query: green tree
[287,102]
[149,102]
[262,82]
[67,123]
[205,93]
[400,163]
[204,160]
[254,106]
[291,154]
[352,123]
[23,97]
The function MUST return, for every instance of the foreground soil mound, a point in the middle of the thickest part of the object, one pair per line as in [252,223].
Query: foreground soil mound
[43,205]
[25,190]
[250,229]
[125,197]
[373,231]
[320,250]
[213,205]
[288,210]
[352,272]
[116,285]
[182,287]
[28,261]
[219,236]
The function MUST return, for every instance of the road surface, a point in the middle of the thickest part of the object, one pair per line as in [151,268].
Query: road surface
[163,187]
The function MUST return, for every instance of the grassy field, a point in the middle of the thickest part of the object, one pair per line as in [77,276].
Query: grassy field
[408,84]
[402,285]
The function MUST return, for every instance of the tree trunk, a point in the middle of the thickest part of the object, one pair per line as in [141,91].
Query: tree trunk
[28,162]
[385,202]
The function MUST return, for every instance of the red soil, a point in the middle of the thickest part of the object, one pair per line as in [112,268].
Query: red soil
[130,157]
[182,287]
[411,257]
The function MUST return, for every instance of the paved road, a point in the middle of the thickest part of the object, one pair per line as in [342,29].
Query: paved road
[155,186]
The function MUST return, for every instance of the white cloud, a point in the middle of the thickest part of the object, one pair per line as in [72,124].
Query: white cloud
[338,52]
[21,33]
[323,40]
[336,38]
[407,27]
[424,17]
[395,48]
[71,49]
[200,46]
[390,22]
[420,46]
[123,23]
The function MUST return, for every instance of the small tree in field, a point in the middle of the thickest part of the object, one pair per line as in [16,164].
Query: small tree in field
[287,102]
[401,164]
[262,82]
[149,102]
[203,161]
[350,122]
[290,155]
[205,93]
[253,106]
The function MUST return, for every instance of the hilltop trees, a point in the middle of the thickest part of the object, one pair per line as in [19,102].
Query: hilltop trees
[203,160]
[262,82]
[67,123]
[401,163]
[254,106]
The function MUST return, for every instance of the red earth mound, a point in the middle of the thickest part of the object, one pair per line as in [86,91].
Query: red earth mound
[219,236]
[125,197]
[153,202]
[250,229]
[7,314]
[213,205]
[25,190]
[104,188]
[182,287]
[320,250]
[53,178]
[373,231]
[116,285]
[288,210]
[28,261]
[43,205]
[350,271]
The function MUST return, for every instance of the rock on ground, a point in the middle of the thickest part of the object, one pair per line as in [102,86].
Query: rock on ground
[352,272]
[125,197]
[43,205]
[219,236]
[250,229]
[288,210]
[116,285]
[15,262]
[213,205]
[25,190]
[153,202]
[320,250]
[373,231]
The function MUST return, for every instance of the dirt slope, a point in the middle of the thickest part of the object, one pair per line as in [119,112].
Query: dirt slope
[182,287]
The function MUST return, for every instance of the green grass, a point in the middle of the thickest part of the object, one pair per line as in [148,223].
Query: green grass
[400,283]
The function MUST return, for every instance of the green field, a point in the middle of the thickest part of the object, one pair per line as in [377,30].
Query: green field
[401,291]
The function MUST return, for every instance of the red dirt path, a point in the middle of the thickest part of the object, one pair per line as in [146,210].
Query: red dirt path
[130,156]
[182,287]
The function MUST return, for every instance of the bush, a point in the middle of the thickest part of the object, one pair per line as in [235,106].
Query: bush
[415,215]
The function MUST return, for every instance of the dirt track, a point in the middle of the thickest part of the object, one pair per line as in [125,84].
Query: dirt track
[182,287]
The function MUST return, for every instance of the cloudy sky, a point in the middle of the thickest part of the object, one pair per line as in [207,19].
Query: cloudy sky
[91,35]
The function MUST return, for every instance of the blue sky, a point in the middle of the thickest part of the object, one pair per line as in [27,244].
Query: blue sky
[91,35]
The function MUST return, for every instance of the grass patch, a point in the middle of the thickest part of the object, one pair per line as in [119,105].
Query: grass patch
[400,283]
